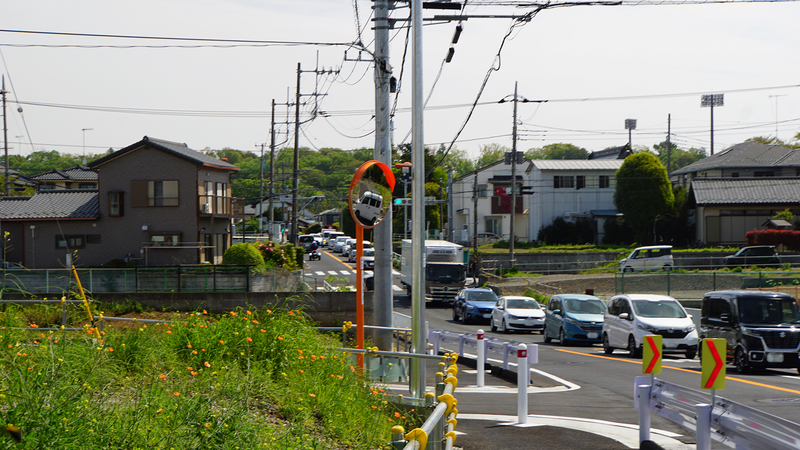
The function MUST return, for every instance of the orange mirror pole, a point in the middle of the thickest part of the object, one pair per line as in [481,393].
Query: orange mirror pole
[359,294]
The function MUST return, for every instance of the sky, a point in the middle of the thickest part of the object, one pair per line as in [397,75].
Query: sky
[583,69]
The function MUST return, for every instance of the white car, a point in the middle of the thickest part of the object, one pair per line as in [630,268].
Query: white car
[517,313]
[631,317]
[348,246]
[368,260]
[338,244]
[317,237]
[654,257]
[351,255]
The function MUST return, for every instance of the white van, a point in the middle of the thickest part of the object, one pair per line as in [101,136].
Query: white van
[330,238]
[368,208]
[631,317]
[654,257]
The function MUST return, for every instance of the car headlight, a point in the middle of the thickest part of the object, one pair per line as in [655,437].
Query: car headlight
[646,327]
[513,317]
[471,307]
[572,321]
[689,329]
[749,332]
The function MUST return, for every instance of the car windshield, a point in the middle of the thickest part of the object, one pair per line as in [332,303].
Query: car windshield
[369,252]
[659,308]
[481,296]
[773,311]
[584,306]
[445,273]
[522,303]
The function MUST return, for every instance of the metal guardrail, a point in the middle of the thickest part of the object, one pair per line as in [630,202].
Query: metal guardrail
[731,423]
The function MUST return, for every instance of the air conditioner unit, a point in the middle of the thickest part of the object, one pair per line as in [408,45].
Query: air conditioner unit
[205,208]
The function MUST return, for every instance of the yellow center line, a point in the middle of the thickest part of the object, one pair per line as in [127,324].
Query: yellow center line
[740,380]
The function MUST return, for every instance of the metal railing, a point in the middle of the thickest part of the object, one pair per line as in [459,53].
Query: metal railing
[715,417]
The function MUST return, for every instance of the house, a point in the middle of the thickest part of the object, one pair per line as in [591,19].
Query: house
[740,189]
[78,177]
[156,202]
[571,189]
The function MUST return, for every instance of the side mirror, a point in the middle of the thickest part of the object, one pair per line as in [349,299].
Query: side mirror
[557,312]
[624,316]
[725,317]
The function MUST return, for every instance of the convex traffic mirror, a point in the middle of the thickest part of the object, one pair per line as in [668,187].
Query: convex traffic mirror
[370,195]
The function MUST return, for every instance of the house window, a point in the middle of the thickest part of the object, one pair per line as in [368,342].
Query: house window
[154,193]
[581,181]
[735,175]
[165,239]
[70,241]
[92,238]
[47,186]
[482,191]
[604,181]
[493,225]
[563,181]
[766,173]
[115,204]
[87,186]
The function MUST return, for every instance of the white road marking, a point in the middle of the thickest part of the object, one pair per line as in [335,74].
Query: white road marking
[333,272]
[320,273]
[397,288]
[345,272]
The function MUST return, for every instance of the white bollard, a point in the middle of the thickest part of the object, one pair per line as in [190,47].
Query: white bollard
[523,375]
[506,351]
[479,363]
[643,398]
[638,381]
[703,431]
[461,339]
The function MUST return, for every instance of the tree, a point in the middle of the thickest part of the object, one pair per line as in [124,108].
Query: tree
[643,193]
[678,157]
[557,151]
[491,153]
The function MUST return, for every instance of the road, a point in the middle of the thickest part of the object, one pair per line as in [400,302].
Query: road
[601,386]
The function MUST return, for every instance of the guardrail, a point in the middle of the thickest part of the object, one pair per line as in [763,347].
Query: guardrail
[504,348]
[714,417]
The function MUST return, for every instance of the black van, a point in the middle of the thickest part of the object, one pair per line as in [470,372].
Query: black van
[762,329]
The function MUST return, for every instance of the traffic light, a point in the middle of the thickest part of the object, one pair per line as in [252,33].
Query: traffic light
[402,202]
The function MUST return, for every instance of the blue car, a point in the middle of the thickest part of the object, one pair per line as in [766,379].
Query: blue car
[574,318]
[474,305]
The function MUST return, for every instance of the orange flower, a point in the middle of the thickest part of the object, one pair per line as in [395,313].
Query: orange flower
[352,369]
[162,376]
[321,356]
[374,407]
[194,373]
[205,312]
[280,338]
[396,414]
[301,371]
[159,410]
[233,314]
[189,346]
[312,395]
[207,364]
[189,368]
[249,339]
[194,352]
[169,332]
[299,351]
[33,325]
[339,377]
[177,394]
[263,330]
[248,313]
[111,349]
[313,357]
[222,342]
[291,313]
[255,322]
[269,311]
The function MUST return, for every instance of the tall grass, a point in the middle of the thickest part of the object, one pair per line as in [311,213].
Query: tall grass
[247,379]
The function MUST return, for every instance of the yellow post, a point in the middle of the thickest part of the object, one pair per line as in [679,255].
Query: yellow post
[85,303]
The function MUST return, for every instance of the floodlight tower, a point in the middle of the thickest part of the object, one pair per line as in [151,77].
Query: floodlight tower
[630,125]
[711,100]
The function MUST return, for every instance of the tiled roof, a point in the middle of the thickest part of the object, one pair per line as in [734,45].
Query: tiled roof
[77,173]
[61,204]
[176,149]
[751,154]
[710,191]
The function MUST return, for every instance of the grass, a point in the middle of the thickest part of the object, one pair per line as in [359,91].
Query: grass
[246,379]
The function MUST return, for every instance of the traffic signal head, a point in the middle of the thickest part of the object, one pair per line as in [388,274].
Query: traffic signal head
[402,202]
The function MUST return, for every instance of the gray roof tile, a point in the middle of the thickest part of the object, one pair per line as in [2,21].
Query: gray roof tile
[720,191]
[751,154]
[179,150]
[77,173]
[61,204]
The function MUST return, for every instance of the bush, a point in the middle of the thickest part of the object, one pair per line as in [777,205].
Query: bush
[243,254]
[563,232]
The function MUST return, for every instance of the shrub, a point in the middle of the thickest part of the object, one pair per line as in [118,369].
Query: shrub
[243,254]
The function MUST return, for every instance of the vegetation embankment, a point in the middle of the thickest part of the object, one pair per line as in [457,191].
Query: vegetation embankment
[246,379]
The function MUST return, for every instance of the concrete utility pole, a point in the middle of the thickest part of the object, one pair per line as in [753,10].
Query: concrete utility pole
[261,192]
[513,180]
[475,219]
[272,174]
[418,338]
[5,130]
[382,234]
[296,164]
[669,144]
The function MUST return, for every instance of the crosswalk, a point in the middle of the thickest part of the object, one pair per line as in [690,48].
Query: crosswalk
[348,273]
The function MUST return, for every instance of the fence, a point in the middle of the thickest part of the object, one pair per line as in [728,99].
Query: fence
[692,286]
[183,278]
[715,417]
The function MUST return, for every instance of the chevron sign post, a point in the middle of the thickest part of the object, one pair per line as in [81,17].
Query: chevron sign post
[713,364]
[651,355]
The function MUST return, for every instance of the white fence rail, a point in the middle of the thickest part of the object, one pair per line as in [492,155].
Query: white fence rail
[503,348]
[731,423]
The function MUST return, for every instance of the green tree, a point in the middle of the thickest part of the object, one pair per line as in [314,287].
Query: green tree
[557,151]
[243,254]
[678,157]
[490,154]
[643,193]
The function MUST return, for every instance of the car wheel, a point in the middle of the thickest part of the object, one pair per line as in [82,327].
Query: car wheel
[464,319]
[455,315]
[628,269]
[494,328]
[667,268]
[741,361]
[690,354]
[562,337]
[505,328]
[607,349]
[634,351]
[547,338]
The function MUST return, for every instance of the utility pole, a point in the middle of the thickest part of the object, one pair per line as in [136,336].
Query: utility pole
[513,180]
[450,230]
[382,234]
[272,174]
[261,193]
[475,219]
[5,130]
[669,144]
[296,163]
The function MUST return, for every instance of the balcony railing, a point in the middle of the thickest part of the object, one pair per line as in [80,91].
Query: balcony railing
[221,206]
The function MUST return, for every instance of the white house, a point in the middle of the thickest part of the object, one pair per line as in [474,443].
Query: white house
[571,189]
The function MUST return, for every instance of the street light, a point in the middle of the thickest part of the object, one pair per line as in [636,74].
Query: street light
[711,100]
